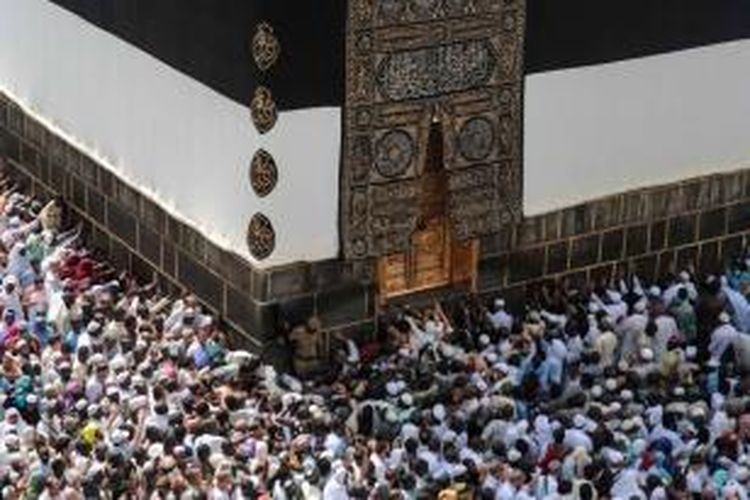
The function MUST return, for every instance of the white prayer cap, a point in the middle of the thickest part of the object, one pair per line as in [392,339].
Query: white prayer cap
[654,291]
[407,399]
[119,436]
[627,425]
[742,474]
[610,384]
[11,440]
[92,410]
[500,303]
[239,357]
[579,421]
[155,450]
[514,455]
[626,395]
[679,391]
[697,411]
[438,411]
[691,352]
[615,407]
[613,457]
[724,317]
[684,276]
[391,416]
[118,363]
[392,388]
[647,354]
[449,436]
[98,359]
[597,391]
[484,339]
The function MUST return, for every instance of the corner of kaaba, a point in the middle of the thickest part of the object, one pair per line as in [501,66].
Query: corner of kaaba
[375,249]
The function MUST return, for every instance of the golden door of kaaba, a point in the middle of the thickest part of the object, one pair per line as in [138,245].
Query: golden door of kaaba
[412,64]
[433,258]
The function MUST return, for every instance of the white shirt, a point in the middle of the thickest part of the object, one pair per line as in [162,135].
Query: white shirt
[721,339]
[501,319]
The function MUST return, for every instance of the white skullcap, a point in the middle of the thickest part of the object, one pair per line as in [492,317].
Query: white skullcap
[155,450]
[613,457]
[679,391]
[647,354]
[484,339]
[626,395]
[407,399]
[438,411]
[691,352]
[579,421]
[514,455]
[724,317]
[119,436]
[392,388]
[597,391]
[742,474]
[500,303]
[654,291]
[684,276]
[610,384]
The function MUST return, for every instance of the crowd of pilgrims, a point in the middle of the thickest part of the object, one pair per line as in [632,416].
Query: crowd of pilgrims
[621,390]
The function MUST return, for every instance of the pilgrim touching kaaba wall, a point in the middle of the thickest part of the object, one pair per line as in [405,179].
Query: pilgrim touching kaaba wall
[299,158]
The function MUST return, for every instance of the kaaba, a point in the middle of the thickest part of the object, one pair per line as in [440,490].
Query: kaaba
[289,159]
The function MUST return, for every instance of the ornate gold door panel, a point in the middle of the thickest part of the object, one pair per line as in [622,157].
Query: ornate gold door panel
[409,63]
[426,264]
[464,264]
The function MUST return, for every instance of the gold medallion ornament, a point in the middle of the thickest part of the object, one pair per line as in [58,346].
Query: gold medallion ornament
[265,47]
[263,173]
[261,237]
[263,110]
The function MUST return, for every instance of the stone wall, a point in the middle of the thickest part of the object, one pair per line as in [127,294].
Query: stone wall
[137,234]
[700,221]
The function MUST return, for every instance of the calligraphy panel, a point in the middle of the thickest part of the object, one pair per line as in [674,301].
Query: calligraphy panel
[409,64]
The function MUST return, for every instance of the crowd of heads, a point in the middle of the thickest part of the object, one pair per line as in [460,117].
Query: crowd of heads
[621,389]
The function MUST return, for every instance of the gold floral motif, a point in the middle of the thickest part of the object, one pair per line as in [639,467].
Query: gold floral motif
[263,110]
[266,47]
[263,173]
[261,237]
